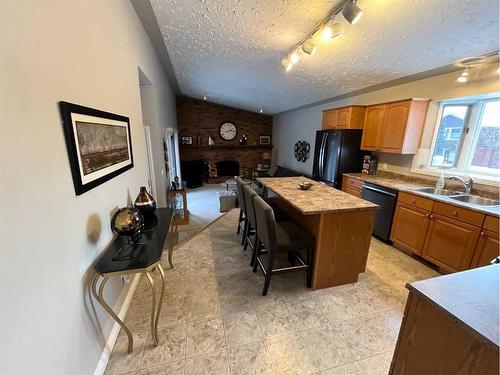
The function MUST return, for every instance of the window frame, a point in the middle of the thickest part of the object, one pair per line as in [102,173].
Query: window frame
[469,138]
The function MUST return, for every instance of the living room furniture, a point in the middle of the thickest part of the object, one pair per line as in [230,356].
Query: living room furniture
[128,258]
[177,199]
[227,200]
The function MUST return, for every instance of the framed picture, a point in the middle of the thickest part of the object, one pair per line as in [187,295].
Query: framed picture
[99,145]
[265,139]
[187,140]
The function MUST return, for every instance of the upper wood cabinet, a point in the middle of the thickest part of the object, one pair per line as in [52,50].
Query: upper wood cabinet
[351,117]
[394,127]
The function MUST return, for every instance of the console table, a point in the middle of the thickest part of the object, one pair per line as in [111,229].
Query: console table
[145,260]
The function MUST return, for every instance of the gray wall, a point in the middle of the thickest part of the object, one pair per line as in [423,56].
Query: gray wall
[86,52]
[289,127]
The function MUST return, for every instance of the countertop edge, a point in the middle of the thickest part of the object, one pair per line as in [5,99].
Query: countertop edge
[428,196]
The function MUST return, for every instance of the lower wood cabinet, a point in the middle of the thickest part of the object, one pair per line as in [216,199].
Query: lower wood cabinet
[352,186]
[450,243]
[410,227]
[487,248]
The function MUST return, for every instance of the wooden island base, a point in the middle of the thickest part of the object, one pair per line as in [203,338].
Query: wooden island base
[342,243]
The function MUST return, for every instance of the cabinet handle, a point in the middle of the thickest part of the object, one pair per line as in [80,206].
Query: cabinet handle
[427,215]
[482,233]
[455,213]
[413,201]
[432,217]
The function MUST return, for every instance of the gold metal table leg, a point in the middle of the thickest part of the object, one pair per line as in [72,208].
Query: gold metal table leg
[162,274]
[171,248]
[98,295]
[153,309]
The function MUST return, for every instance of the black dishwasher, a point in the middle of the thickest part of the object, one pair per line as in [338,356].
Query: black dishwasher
[386,199]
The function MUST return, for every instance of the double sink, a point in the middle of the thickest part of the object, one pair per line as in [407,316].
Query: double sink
[475,200]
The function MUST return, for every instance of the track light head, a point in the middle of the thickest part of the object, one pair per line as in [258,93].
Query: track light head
[331,30]
[261,110]
[204,97]
[309,47]
[287,64]
[352,13]
[294,56]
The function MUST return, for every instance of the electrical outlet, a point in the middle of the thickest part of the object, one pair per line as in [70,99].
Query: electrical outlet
[125,279]
[384,165]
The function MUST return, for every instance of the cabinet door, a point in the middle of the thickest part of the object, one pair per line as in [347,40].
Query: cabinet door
[372,129]
[342,118]
[328,119]
[450,243]
[487,248]
[410,227]
[394,128]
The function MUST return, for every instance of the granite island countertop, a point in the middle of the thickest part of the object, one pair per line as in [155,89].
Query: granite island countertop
[318,199]
[471,297]
[410,186]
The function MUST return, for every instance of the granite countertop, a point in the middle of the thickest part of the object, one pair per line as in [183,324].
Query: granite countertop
[471,297]
[318,199]
[410,186]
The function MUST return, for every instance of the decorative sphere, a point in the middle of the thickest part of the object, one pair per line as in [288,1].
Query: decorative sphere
[128,221]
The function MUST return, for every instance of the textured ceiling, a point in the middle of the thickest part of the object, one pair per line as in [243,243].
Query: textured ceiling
[231,50]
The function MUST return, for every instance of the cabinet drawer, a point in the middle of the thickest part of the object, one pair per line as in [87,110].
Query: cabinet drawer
[352,182]
[352,191]
[459,213]
[416,201]
[491,223]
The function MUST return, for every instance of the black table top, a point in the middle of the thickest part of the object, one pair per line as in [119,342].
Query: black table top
[148,250]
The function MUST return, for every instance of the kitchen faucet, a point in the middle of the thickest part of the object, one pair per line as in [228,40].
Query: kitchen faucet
[466,182]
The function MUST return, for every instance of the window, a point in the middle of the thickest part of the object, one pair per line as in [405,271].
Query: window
[467,138]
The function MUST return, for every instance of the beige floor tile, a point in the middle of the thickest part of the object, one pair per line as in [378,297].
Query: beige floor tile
[171,347]
[327,348]
[120,361]
[307,314]
[204,306]
[350,369]
[290,355]
[232,304]
[242,328]
[378,364]
[173,368]
[208,364]
[371,335]
[275,320]
[173,312]
[250,359]
[345,305]
[204,336]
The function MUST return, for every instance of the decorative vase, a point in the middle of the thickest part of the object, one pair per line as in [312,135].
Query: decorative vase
[144,201]
[128,222]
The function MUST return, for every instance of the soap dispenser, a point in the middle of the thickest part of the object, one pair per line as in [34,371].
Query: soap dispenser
[440,182]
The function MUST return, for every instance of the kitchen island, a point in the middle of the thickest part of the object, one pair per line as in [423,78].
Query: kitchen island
[340,223]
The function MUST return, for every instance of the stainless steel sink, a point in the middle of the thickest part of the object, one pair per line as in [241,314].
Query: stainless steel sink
[435,191]
[477,200]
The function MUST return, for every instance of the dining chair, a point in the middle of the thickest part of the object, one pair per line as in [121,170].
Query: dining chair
[280,237]
[241,203]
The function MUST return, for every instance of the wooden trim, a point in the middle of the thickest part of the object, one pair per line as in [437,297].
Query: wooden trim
[491,223]
[459,213]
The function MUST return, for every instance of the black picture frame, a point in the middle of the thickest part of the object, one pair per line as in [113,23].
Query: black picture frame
[86,183]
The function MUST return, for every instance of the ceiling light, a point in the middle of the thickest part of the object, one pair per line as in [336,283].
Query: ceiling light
[464,76]
[309,47]
[465,73]
[204,97]
[331,30]
[287,64]
[294,57]
[352,13]
[261,110]
[462,79]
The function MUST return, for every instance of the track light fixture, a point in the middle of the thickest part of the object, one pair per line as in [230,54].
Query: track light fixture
[352,13]
[327,28]
[309,47]
[464,77]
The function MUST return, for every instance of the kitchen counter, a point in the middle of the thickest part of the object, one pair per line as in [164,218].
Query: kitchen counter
[409,187]
[318,199]
[340,223]
[471,297]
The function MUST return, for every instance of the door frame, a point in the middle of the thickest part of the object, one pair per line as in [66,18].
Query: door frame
[149,153]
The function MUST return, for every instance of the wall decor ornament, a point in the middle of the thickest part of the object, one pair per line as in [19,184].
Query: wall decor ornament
[145,201]
[99,145]
[301,150]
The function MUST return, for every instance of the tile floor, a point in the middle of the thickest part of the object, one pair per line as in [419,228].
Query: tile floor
[215,321]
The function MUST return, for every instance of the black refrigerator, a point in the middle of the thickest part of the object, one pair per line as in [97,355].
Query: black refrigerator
[337,152]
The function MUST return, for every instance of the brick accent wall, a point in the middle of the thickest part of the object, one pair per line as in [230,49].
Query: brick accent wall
[198,118]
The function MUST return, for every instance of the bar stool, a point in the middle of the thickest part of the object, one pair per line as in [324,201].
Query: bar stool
[241,203]
[280,237]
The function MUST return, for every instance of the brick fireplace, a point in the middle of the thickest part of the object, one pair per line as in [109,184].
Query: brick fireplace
[200,119]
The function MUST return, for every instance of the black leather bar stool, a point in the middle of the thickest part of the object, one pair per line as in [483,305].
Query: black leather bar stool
[241,203]
[280,237]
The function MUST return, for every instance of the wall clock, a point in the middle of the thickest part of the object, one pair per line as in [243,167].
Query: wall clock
[228,131]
